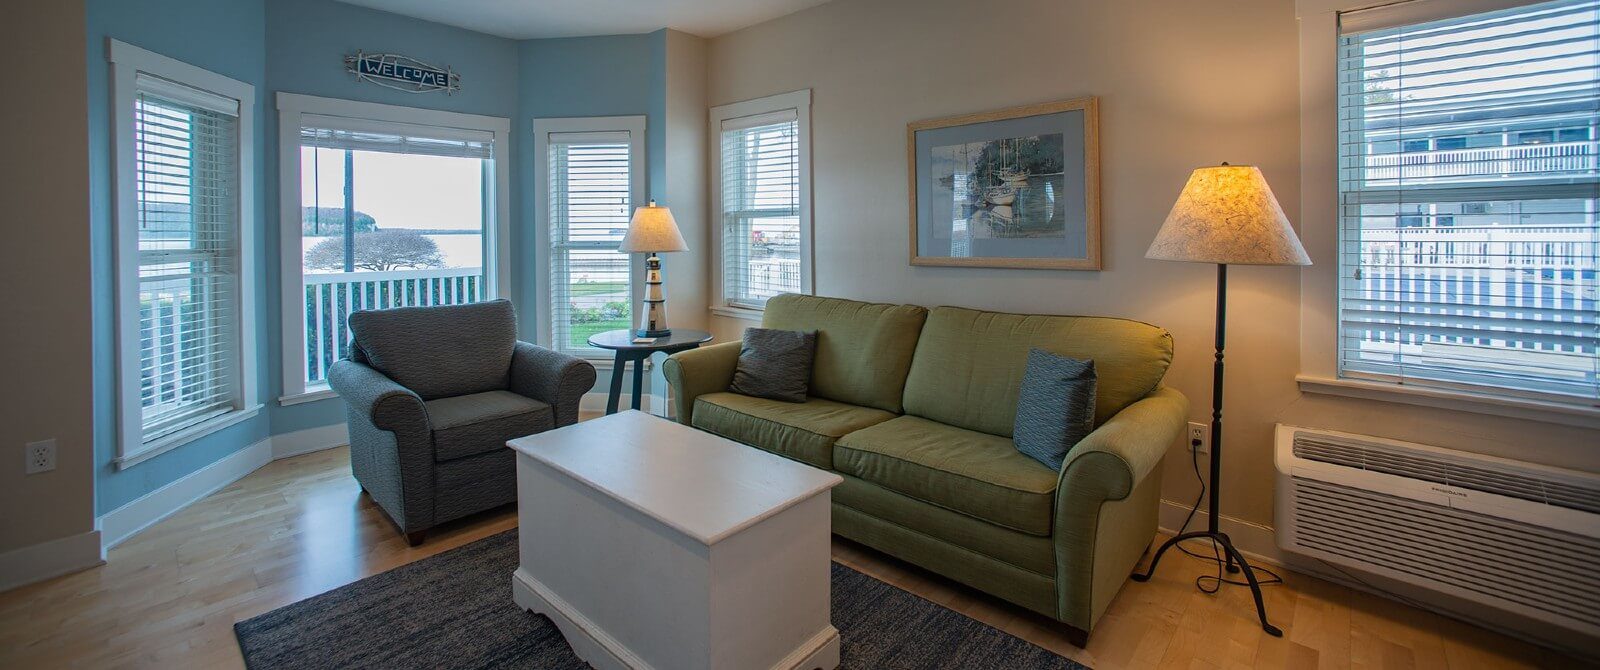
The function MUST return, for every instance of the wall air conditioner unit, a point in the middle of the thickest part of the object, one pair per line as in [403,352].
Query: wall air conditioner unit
[1513,536]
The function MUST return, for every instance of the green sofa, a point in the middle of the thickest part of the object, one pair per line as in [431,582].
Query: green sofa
[914,408]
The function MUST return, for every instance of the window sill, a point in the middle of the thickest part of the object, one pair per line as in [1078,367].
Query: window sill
[185,436]
[745,313]
[313,394]
[1462,401]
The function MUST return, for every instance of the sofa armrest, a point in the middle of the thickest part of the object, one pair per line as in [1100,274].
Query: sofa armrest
[696,372]
[1107,500]
[389,405]
[552,377]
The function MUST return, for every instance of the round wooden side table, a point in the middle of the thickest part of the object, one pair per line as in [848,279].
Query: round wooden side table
[621,341]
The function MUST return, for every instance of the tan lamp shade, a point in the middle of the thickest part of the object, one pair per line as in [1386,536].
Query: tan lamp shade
[653,230]
[1227,214]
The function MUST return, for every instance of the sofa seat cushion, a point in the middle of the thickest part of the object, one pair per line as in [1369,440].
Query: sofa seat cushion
[802,431]
[467,425]
[976,474]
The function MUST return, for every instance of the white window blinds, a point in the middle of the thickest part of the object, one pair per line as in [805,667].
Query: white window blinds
[1468,189]
[760,208]
[186,165]
[329,132]
[590,204]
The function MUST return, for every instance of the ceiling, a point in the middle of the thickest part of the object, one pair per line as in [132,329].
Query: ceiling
[525,19]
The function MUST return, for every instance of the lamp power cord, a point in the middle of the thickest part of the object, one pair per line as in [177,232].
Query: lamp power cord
[1213,583]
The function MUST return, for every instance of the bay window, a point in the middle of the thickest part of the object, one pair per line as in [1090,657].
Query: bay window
[383,207]
[184,203]
[590,176]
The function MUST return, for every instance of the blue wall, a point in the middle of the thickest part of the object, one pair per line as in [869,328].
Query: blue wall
[298,46]
[568,77]
[227,37]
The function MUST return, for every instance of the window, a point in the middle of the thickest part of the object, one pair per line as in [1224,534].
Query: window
[383,207]
[1472,272]
[590,177]
[183,221]
[763,199]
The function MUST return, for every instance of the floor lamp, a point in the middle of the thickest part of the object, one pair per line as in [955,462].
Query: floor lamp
[1225,215]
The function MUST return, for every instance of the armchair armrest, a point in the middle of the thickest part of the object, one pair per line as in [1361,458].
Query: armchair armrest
[386,403]
[1107,500]
[391,442]
[551,377]
[696,372]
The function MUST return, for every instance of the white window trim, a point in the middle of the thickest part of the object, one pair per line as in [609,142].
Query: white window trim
[291,108]
[126,62]
[1319,222]
[800,102]
[639,189]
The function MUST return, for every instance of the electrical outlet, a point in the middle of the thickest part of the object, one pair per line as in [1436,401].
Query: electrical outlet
[41,456]
[1199,438]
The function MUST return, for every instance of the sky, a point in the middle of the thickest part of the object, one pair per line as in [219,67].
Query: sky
[398,190]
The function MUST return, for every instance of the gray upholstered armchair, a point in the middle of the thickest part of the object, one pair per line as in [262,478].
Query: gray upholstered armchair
[433,395]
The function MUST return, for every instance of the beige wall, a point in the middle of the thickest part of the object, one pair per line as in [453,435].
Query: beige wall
[1181,84]
[44,343]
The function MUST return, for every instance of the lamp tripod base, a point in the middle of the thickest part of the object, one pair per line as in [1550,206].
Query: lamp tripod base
[1233,558]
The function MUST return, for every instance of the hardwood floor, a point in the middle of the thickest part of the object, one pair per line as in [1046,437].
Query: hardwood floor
[168,598]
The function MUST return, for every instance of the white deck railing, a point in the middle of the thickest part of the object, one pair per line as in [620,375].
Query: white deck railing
[331,297]
[1477,163]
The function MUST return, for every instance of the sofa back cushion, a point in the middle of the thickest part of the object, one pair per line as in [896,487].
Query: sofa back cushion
[863,349]
[969,364]
[439,351]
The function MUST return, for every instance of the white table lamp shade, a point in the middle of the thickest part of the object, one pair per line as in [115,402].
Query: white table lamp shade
[1228,215]
[653,230]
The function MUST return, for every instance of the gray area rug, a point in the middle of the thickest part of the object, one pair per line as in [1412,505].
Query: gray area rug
[454,610]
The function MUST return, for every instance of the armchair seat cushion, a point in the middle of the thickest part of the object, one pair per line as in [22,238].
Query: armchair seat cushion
[977,474]
[476,423]
[802,431]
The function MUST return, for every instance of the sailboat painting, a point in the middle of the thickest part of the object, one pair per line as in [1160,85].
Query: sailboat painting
[1007,187]
[1016,188]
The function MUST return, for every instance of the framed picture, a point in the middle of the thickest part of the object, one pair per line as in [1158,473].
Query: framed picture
[1015,188]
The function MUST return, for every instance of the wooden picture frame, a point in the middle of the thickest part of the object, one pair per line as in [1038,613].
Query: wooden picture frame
[1003,227]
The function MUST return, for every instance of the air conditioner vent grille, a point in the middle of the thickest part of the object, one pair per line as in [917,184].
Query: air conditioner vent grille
[1506,480]
[1536,568]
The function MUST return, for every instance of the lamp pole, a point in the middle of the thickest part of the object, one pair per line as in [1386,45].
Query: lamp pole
[1213,532]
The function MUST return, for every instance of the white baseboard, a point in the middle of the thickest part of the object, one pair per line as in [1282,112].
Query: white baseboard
[1258,542]
[309,440]
[123,522]
[38,562]
[595,401]
[126,521]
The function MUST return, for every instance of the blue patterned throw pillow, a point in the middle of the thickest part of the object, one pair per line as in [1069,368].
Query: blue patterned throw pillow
[775,364]
[1055,408]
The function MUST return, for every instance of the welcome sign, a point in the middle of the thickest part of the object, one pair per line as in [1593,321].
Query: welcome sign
[402,73]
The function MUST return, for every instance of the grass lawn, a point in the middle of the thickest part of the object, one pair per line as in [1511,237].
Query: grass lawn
[596,288]
[582,331]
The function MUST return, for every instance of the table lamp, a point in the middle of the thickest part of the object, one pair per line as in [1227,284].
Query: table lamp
[1225,215]
[652,231]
